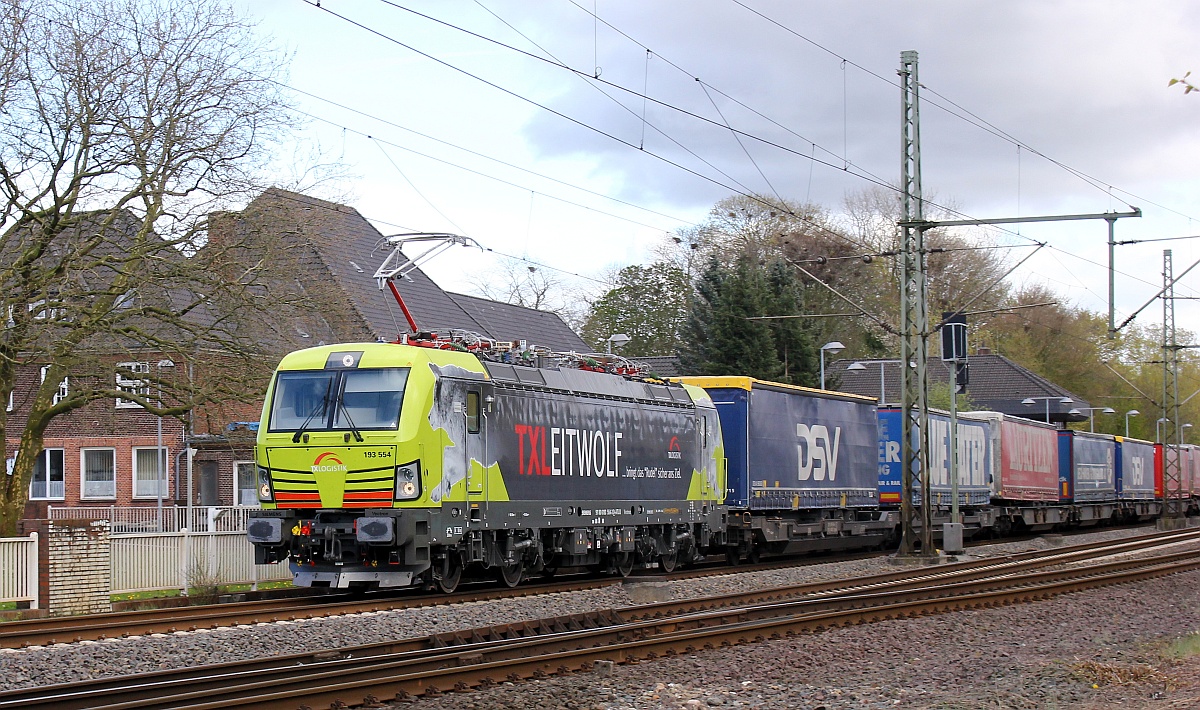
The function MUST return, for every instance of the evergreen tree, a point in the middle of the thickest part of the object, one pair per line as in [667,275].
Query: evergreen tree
[723,341]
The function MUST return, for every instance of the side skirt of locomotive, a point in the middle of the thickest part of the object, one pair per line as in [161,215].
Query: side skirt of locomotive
[440,547]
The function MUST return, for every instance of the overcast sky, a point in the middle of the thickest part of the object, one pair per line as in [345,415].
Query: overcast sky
[1028,107]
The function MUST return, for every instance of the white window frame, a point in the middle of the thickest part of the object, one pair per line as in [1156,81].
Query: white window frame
[44,457]
[83,479]
[64,387]
[43,312]
[133,384]
[165,482]
[237,497]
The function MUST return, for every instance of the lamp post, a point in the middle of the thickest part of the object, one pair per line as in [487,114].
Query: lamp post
[1091,414]
[158,474]
[858,366]
[1130,413]
[1061,400]
[616,339]
[1182,433]
[1157,426]
[834,348]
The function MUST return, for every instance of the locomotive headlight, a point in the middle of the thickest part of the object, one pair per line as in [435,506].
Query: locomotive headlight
[264,484]
[408,480]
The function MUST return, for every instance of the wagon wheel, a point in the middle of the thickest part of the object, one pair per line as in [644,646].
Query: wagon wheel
[732,556]
[451,574]
[667,560]
[624,563]
[510,573]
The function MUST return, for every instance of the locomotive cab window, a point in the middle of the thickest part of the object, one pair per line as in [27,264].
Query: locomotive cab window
[323,400]
[472,412]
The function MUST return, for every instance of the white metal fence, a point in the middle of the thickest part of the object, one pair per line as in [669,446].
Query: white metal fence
[19,570]
[178,560]
[128,520]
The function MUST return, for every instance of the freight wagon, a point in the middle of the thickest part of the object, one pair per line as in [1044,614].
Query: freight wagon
[1087,476]
[1025,485]
[1139,480]
[974,458]
[801,470]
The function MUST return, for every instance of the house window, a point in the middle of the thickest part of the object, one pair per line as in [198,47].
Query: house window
[245,487]
[48,479]
[148,480]
[131,383]
[64,387]
[99,474]
[41,310]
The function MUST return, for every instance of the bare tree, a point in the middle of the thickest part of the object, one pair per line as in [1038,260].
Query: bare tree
[125,123]
[523,284]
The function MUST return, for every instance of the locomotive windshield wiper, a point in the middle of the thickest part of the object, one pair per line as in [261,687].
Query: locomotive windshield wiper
[353,429]
[316,410]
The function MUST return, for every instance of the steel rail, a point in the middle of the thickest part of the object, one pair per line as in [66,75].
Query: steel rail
[98,627]
[466,667]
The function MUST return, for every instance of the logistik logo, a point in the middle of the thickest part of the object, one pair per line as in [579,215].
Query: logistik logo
[328,463]
[673,451]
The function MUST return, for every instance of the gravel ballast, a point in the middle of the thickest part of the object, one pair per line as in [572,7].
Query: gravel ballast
[1086,650]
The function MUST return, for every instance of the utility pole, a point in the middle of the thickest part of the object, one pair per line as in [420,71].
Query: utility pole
[914,322]
[1173,508]
[914,310]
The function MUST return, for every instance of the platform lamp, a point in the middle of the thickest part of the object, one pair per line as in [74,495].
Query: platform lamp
[1158,426]
[158,475]
[1130,413]
[1033,400]
[833,348]
[615,340]
[1092,414]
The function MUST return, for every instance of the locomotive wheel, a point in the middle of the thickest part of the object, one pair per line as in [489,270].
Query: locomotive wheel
[451,575]
[624,563]
[668,560]
[510,573]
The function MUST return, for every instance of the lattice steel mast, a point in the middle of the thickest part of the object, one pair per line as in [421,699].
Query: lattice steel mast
[914,320]
[1173,504]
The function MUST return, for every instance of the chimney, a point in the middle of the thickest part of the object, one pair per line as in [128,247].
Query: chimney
[221,227]
[983,350]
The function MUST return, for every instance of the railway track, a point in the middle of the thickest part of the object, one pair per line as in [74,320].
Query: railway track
[459,661]
[98,627]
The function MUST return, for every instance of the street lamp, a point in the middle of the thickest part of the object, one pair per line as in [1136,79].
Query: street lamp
[1130,413]
[1158,425]
[834,348]
[1061,400]
[162,464]
[1182,433]
[617,340]
[1091,414]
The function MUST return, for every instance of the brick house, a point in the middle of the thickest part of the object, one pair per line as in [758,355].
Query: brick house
[321,258]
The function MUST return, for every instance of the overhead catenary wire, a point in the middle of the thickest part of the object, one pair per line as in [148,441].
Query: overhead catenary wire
[961,113]
[773,205]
